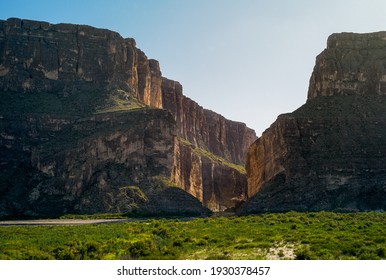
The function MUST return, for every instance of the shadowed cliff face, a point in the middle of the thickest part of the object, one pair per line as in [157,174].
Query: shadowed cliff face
[112,162]
[76,127]
[329,154]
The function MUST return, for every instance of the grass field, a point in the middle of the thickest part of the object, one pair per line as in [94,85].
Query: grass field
[322,235]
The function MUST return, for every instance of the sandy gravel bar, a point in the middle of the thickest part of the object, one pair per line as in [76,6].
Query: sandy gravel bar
[59,222]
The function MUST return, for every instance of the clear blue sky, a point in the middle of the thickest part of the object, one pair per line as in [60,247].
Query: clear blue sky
[249,60]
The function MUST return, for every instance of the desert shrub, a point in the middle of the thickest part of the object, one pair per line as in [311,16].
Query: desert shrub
[161,232]
[178,243]
[140,249]
[381,252]
[218,257]
[303,253]
[77,250]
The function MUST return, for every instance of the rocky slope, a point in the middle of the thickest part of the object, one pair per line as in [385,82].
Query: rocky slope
[88,124]
[330,154]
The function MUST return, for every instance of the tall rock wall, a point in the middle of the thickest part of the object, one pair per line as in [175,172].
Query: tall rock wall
[204,128]
[329,154]
[68,59]
[72,73]
[351,64]
[210,151]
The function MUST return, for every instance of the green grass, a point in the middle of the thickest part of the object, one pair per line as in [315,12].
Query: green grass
[121,101]
[322,235]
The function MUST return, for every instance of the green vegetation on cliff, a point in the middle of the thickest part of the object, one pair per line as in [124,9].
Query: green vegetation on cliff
[215,158]
[82,104]
[319,235]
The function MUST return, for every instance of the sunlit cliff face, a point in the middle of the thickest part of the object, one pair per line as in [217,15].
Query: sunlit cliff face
[330,153]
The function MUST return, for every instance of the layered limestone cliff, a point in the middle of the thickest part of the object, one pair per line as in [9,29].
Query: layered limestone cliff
[217,183]
[330,154]
[204,128]
[84,113]
[210,151]
[67,59]
[351,64]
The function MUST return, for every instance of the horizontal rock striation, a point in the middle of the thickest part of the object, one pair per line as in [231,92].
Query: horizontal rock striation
[329,154]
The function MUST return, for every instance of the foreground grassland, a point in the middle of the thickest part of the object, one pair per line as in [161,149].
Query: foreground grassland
[291,235]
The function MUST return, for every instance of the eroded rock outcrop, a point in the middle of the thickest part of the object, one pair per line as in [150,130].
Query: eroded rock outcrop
[89,124]
[330,154]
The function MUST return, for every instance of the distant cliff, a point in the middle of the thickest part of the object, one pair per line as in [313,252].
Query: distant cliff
[204,128]
[330,154]
[210,151]
[84,113]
